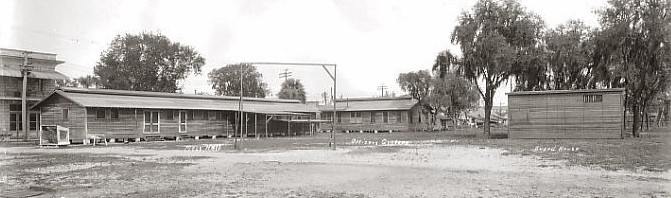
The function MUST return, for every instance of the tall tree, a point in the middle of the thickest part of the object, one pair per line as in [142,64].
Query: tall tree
[453,94]
[418,85]
[499,39]
[146,62]
[634,47]
[292,89]
[226,81]
[568,54]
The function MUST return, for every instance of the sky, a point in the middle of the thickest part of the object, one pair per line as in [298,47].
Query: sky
[371,41]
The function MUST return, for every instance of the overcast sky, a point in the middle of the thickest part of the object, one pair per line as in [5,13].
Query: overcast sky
[372,41]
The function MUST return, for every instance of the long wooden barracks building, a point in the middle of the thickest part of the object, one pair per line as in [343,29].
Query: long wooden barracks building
[138,114]
[377,114]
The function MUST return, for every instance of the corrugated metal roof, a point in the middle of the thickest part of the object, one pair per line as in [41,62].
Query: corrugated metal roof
[565,91]
[372,104]
[156,100]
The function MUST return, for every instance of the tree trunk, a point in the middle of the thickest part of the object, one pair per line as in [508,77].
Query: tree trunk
[488,112]
[637,117]
[647,118]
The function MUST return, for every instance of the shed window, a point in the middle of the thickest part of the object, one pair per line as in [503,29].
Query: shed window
[100,113]
[591,98]
[399,117]
[114,113]
[385,117]
[372,117]
[220,115]
[65,114]
[339,117]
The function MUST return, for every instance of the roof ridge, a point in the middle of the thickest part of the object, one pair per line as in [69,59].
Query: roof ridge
[373,98]
[166,94]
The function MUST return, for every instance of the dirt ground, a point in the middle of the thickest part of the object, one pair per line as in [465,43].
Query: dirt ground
[363,165]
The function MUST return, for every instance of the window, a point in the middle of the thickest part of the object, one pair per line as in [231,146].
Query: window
[114,113]
[372,117]
[15,107]
[219,115]
[100,113]
[34,121]
[40,84]
[410,117]
[199,115]
[590,98]
[189,115]
[339,117]
[385,117]
[355,117]
[151,123]
[65,114]
[419,116]
[169,115]
[327,115]
[399,117]
[211,115]
[15,123]
[182,121]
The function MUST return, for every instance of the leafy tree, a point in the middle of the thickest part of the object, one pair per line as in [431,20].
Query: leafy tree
[146,62]
[88,81]
[418,85]
[292,89]
[633,50]
[226,81]
[444,61]
[499,39]
[568,54]
[66,83]
[453,94]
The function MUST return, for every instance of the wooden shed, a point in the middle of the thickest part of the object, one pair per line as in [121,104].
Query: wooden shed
[594,113]
[138,114]
[377,114]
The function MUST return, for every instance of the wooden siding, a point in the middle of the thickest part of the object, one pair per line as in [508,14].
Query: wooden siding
[130,124]
[348,124]
[565,116]
[52,114]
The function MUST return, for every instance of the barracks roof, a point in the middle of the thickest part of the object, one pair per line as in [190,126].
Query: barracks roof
[372,104]
[160,100]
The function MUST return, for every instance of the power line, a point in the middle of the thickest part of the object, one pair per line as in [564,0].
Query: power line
[286,74]
[382,87]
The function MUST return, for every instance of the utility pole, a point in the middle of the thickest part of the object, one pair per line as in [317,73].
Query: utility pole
[240,106]
[382,87]
[286,74]
[25,71]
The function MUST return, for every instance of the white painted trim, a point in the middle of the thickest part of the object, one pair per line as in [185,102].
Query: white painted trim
[144,123]
[179,121]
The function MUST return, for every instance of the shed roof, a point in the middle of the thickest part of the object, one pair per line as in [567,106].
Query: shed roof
[372,104]
[158,100]
[565,91]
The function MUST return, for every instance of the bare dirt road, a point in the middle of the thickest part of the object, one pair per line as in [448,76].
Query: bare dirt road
[417,169]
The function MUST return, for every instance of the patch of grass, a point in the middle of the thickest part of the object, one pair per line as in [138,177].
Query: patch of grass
[651,152]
